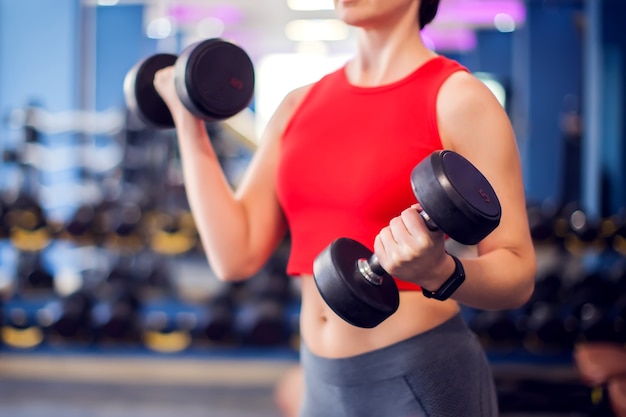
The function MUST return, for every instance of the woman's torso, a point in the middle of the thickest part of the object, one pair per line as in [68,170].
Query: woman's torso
[349,181]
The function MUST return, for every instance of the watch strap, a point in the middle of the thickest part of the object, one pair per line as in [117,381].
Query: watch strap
[451,284]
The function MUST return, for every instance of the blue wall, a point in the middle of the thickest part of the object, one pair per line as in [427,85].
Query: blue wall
[613,154]
[39,54]
[540,65]
[66,57]
[547,69]
[120,43]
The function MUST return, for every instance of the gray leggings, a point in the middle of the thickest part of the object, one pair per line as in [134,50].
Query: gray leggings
[440,373]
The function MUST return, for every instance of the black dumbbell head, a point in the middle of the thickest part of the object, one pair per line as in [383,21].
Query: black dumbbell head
[142,99]
[456,196]
[345,289]
[214,79]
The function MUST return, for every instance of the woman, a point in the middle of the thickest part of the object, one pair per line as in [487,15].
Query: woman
[335,161]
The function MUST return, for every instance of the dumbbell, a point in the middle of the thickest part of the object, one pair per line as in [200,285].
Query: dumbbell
[496,329]
[214,79]
[218,316]
[68,318]
[455,198]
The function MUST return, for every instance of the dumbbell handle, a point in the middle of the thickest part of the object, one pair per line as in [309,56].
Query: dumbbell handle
[430,223]
[371,269]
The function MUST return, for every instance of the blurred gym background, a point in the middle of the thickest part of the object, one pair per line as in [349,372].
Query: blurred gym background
[108,306]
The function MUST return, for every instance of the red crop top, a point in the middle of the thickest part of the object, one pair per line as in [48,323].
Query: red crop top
[347,154]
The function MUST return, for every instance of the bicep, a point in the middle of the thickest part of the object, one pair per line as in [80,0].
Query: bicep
[257,190]
[473,123]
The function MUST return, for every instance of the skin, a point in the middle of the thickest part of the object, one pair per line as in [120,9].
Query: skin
[599,362]
[604,363]
[241,228]
[617,395]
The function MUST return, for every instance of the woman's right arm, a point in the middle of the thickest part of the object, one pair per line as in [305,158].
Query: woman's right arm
[239,229]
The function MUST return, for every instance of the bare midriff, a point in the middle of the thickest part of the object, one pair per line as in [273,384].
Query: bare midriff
[326,334]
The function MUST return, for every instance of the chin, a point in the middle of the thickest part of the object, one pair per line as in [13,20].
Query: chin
[352,19]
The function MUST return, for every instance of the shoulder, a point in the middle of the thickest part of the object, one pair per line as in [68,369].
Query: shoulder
[462,88]
[284,112]
[296,97]
[290,104]
[293,99]
[465,104]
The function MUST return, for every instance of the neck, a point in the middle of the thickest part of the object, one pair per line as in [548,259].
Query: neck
[385,55]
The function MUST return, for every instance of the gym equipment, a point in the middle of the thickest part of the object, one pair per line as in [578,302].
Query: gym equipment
[80,226]
[27,224]
[530,394]
[261,319]
[26,217]
[214,79]
[456,199]
[171,234]
[20,326]
[218,318]
[68,318]
[122,224]
[548,329]
[545,325]
[541,218]
[167,326]
[496,330]
[584,233]
[45,158]
[33,275]
[35,118]
[4,226]
[591,303]
[618,237]
[115,315]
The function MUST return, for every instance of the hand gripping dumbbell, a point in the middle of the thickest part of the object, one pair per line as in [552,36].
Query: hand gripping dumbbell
[455,198]
[214,79]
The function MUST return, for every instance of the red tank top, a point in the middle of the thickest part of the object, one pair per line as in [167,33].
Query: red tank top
[347,154]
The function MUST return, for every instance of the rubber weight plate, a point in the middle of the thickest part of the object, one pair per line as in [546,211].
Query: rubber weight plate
[142,99]
[347,292]
[456,196]
[214,79]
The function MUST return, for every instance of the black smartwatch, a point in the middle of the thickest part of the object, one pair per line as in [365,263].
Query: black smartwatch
[451,284]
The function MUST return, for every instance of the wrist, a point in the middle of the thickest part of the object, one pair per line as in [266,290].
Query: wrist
[450,285]
[439,274]
[184,120]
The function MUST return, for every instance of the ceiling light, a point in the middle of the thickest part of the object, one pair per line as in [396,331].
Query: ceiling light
[159,28]
[312,48]
[311,4]
[504,22]
[210,27]
[108,2]
[317,30]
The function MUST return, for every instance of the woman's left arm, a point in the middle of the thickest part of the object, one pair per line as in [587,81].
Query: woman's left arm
[472,123]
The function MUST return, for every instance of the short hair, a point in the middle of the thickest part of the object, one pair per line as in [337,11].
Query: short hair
[427,12]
